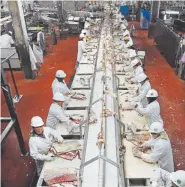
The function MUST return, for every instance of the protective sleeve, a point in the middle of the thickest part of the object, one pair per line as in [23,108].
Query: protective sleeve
[34,152]
[62,117]
[147,158]
[11,41]
[143,111]
[56,135]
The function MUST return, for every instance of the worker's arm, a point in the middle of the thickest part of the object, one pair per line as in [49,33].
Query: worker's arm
[153,157]
[34,152]
[143,111]
[62,117]
[56,135]
[12,42]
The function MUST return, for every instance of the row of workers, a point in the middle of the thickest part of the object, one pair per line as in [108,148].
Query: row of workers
[145,103]
[41,138]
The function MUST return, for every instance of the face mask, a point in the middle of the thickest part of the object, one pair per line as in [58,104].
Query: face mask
[60,80]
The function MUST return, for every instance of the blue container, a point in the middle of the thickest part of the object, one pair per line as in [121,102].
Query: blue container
[144,19]
[124,10]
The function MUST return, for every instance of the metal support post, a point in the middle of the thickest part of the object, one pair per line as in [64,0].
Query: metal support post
[17,98]
[21,36]
[12,111]
[155,10]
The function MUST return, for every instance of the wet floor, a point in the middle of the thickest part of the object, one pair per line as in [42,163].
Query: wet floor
[18,171]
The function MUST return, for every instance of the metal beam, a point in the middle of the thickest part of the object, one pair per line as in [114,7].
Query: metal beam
[19,25]
[12,111]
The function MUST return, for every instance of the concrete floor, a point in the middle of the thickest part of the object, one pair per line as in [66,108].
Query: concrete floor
[37,96]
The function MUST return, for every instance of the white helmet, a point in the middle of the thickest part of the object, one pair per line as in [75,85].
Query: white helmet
[156,127]
[141,77]
[126,33]
[37,121]
[58,97]
[88,19]
[81,35]
[135,62]
[60,74]
[178,178]
[152,93]
[132,54]
[86,26]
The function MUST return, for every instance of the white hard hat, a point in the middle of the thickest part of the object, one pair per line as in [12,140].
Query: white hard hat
[37,121]
[178,178]
[152,93]
[82,35]
[156,127]
[134,62]
[88,19]
[123,27]
[60,74]
[58,97]
[132,54]
[141,77]
[83,31]
[126,33]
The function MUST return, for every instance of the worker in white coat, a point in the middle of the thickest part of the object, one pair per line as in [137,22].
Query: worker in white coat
[161,151]
[57,119]
[164,178]
[6,40]
[145,86]
[81,48]
[124,21]
[41,39]
[137,69]
[40,142]
[59,84]
[152,109]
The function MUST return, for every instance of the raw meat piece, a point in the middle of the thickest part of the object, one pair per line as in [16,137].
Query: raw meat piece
[78,96]
[70,155]
[59,175]
[77,118]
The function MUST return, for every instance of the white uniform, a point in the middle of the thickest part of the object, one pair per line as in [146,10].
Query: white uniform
[57,119]
[142,93]
[161,153]
[151,111]
[81,50]
[39,146]
[136,72]
[59,87]
[6,41]
[127,44]
[41,40]
[161,178]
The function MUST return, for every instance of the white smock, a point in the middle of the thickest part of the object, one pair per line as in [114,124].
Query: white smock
[136,72]
[57,119]
[143,90]
[151,111]
[6,41]
[161,153]
[59,87]
[81,50]
[39,146]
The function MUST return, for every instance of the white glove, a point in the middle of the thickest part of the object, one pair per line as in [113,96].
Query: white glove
[154,184]
[60,140]
[49,158]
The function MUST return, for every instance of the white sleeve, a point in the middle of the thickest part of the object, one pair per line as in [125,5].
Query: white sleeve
[147,158]
[56,135]
[143,111]
[11,41]
[34,152]
[83,48]
[62,117]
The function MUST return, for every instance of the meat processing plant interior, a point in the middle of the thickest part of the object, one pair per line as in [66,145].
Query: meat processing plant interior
[92,93]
